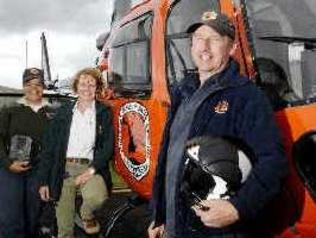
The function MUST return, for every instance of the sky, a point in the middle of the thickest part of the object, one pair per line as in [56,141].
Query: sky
[71,28]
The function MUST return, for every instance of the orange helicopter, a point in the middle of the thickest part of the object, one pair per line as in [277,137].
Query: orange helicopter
[147,50]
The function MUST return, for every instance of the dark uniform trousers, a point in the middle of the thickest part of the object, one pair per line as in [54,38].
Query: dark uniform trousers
[19,205]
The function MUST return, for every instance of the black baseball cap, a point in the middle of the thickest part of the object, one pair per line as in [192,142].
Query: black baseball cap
[217,21]
[33,73]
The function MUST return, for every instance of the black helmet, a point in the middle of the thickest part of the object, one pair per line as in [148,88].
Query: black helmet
[212,169]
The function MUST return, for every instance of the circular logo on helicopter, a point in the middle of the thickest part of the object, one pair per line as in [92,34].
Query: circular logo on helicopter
[134,117]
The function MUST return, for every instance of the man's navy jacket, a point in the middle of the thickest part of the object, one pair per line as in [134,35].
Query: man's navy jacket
[239,110]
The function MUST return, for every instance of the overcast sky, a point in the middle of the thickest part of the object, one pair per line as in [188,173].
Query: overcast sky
[70,26]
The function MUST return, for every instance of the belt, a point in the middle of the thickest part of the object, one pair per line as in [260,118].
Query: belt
[78,160]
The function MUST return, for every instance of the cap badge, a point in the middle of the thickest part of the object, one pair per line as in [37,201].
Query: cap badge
[34,71]
[210,15]
[221,107]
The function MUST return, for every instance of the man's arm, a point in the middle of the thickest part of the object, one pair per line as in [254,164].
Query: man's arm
[46,157]
[259,131]
[4,125]
[158,201]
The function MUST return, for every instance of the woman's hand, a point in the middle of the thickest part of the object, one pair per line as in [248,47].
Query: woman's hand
[19,166]
[44,193]
[84,177]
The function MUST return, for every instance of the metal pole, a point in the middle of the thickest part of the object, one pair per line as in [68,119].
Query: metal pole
[26,54]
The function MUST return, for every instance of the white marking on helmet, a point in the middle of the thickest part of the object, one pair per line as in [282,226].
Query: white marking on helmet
[244,165]
[219,189]
[193,152]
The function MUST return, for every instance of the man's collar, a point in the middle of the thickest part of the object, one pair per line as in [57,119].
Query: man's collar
[227,76]
[24,102]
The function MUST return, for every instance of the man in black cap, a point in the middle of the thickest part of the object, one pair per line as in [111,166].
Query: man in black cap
[216,101]
[21,129]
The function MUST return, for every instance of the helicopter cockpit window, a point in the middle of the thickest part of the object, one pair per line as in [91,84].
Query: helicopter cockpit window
[282,35]
[129,68]
[182,15]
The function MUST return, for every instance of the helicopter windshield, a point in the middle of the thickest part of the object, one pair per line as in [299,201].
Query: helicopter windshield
[131,46]
[284,34]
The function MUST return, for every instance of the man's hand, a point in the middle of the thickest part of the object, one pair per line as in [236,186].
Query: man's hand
[221,213]
[156,232]
[84,177]
[19,166]
[44,193]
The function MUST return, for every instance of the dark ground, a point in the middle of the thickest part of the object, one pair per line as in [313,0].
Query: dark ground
[132,223]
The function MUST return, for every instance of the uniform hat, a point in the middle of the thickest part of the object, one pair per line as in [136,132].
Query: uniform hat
[32,73]
[217,21]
